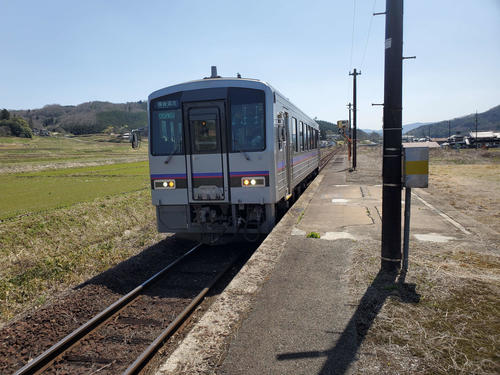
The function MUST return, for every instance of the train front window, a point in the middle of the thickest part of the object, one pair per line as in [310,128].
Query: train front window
[166,132]
[204,136]
[248,132]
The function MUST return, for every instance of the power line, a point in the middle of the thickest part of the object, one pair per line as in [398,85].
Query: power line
[368,36]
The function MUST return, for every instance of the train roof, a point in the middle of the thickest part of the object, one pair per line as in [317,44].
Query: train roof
[224,82]
[210,83]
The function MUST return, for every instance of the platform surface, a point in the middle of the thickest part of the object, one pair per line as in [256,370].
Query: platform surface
[289,310]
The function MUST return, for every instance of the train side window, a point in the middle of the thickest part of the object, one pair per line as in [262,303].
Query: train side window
[279,129]
[307,137]
[301,136]
[294,134]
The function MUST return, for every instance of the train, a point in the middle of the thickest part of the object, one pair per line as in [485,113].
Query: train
[226,156]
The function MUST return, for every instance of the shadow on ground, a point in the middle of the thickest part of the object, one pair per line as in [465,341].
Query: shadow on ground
[128,274]
[341,356]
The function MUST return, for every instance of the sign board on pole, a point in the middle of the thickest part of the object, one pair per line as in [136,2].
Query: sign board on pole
[342,124]
[416,167]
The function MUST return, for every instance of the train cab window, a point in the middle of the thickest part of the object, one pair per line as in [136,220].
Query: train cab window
[166,132]
[248,131]
[294,134]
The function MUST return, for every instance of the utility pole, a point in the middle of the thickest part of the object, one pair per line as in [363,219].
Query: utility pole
[349,134]
[449,129]
[354,126]
[391,167]
[476,132]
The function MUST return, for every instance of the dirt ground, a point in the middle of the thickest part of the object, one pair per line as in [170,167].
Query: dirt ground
[445,317]
[468,181]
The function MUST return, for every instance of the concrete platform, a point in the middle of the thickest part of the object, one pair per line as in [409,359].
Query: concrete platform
[288,310]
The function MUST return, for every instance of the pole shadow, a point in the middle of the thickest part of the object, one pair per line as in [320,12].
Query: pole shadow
[344,353]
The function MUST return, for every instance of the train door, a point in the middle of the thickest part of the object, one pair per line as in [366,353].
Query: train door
[207,151]
[288,155]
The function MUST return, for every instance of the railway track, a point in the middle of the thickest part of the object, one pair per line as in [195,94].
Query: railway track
[122,338]
[326,158]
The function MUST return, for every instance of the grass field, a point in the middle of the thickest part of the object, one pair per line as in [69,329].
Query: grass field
[69,209]
[23,154]
[24,193]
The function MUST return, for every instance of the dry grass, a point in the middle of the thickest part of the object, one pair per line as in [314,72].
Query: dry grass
[49,252]
[455,327]
[471,189]
[465,156]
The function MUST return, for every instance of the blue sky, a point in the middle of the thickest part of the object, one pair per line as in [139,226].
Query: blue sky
[69,52]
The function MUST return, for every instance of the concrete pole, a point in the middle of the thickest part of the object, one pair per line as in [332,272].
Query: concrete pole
[391,167]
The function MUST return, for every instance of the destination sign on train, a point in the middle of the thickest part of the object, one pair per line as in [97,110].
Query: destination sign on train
[167,104]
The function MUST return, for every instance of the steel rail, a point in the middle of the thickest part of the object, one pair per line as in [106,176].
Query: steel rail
[145,356]
[325,159]
[41,362]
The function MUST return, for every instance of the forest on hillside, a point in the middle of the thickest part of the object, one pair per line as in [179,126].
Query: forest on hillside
[86,118]
[486,121]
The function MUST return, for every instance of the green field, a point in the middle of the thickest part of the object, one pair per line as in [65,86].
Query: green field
[23,193]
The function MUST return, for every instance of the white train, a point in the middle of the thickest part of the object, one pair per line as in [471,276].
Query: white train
[226,155]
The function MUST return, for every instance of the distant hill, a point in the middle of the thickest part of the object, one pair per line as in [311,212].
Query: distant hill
[361,134]
[87,118]
[489,120]
[409,127]
[406,128]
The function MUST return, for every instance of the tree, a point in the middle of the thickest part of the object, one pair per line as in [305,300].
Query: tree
[4,115]
[18,127]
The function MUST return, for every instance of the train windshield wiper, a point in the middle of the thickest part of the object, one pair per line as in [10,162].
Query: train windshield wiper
[241,151]
[171,154]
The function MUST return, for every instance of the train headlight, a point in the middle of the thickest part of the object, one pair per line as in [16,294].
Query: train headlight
[253,181]
[164,184]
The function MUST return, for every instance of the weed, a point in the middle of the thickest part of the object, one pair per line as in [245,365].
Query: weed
[313,235]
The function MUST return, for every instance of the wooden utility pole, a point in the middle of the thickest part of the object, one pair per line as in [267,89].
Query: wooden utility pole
[350,134]
[476,132]
[354,126]
[391,167]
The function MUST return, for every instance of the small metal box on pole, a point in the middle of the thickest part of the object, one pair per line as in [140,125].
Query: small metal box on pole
[415,175]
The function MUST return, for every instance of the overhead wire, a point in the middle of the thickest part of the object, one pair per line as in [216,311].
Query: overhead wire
[368,36]
[352,42]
